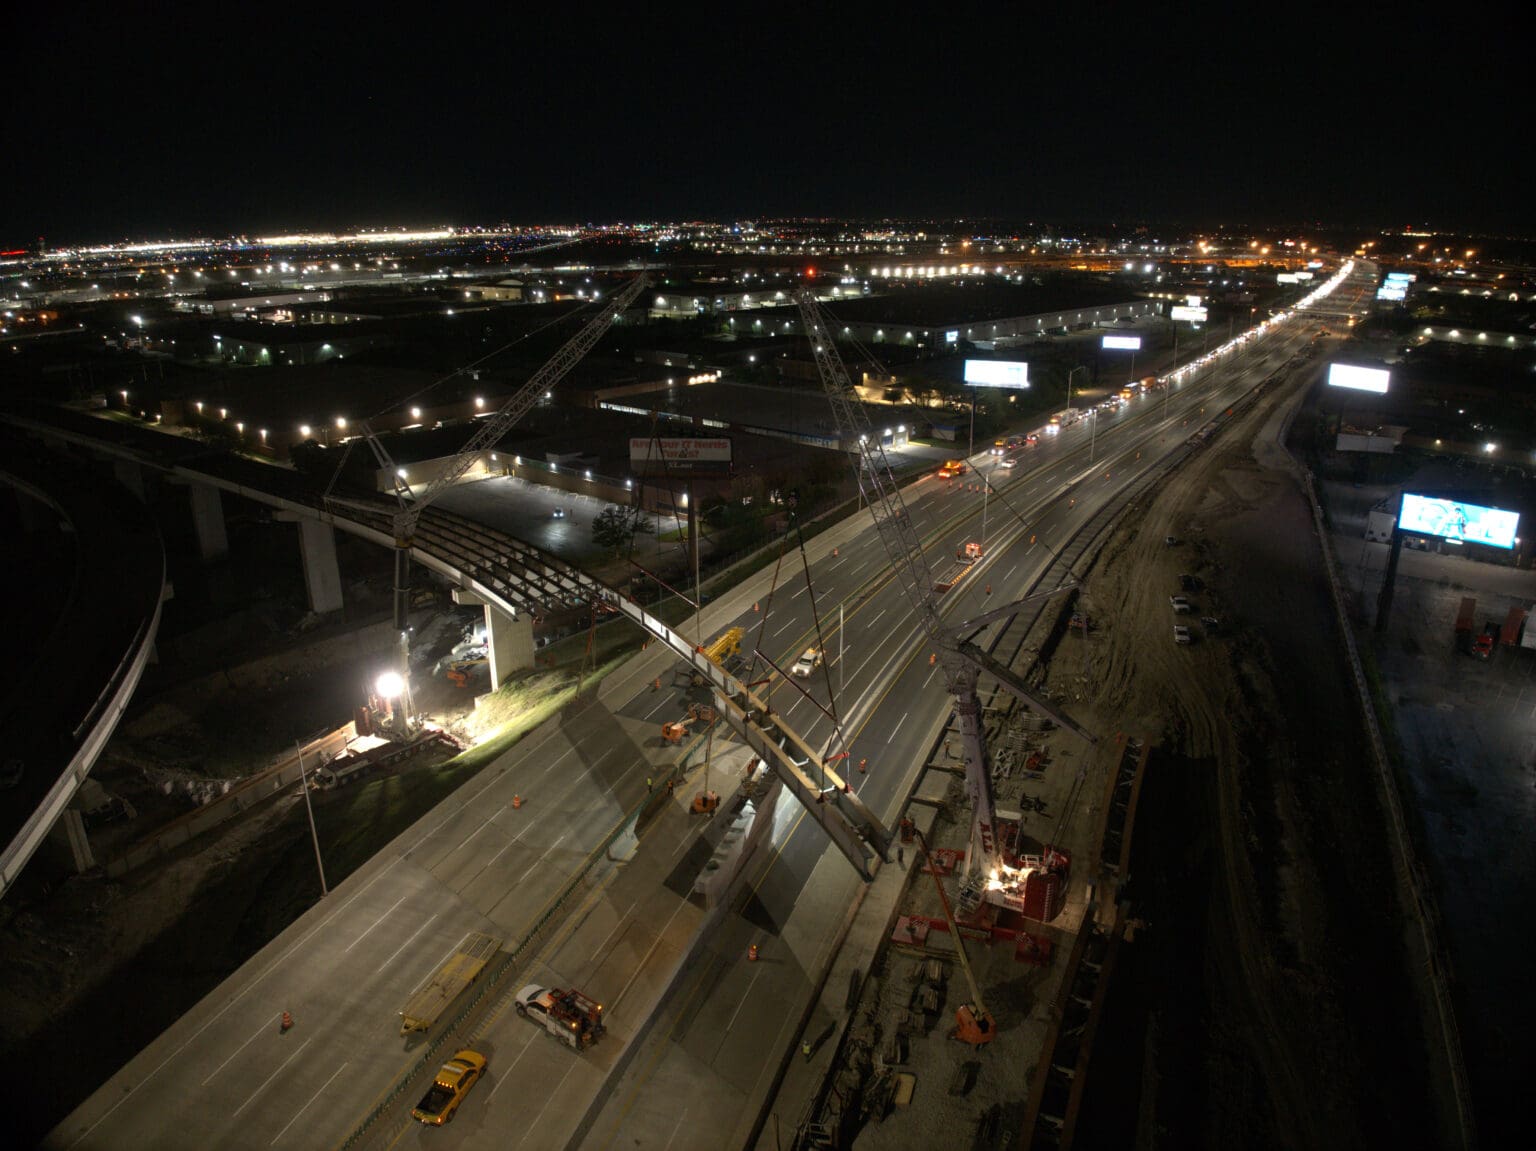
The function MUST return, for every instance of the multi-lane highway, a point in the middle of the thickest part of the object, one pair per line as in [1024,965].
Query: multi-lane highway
[614,914]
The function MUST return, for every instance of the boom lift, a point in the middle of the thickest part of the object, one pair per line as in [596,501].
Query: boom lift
[962,661]
[973,1022]
[412,504]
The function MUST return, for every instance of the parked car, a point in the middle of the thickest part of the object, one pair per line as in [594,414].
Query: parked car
[1180,634]
[1178,603]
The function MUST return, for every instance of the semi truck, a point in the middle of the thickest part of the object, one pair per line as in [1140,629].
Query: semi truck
[432,1000]
[1466,620]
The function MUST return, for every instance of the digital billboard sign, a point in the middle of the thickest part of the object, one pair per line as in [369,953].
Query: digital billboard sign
[1454,520]
[1359,379]
[1122,343]
[680,453]
[997,373]
[1184,312]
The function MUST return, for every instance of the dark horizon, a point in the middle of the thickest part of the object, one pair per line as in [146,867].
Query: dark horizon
[212,126]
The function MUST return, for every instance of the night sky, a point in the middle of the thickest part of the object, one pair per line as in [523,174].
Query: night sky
[144,121]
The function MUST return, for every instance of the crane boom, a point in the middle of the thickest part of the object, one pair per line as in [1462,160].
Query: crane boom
[962,662]
[492,429]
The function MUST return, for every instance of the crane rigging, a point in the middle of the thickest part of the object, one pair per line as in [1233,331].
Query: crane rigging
[961,660]
[410,504]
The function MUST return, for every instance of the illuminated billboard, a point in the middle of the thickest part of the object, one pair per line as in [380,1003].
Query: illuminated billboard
[1184,312]
[1359,379]
[1286,278]
[997,373]
[1453,520]
[680,453]
[1392,290]
[1122,343]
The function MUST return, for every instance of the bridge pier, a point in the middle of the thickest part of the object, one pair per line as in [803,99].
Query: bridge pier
[208,521]
[69,833]
[508,639]
[322,575]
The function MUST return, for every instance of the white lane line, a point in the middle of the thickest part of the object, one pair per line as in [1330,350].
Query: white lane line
[404,945]
[660,935]
[552,1096]
[743,1002]
[276,964]
[312,1098]
[376,922]
[657,708]
[542,858]
[532,1035]
[271,1077]
[876,620]
[789,623]
[481,828]
[598,950]
[1011,570]
[897,728]
[676,1127]
[801,592]
[265,1023]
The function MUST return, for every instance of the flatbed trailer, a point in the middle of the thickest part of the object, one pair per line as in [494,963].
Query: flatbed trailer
[432,1000]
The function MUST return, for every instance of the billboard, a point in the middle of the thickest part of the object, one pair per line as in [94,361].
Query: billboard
[1122,343]
[1453,520]
[1184,312]
[997,373]
[680,453]
[1392,290]
[1286,278]
[1359,379]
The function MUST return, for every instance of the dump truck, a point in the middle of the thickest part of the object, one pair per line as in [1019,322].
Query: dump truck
[433,999]
[569,1016]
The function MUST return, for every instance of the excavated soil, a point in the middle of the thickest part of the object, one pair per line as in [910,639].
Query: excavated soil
[1274,1000]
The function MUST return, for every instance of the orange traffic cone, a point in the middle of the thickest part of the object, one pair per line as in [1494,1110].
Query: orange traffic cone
[933,658]
[757,606]
[656,684]
[834,553]
[286,1023]
[863,765]
[752,954]
[517,801]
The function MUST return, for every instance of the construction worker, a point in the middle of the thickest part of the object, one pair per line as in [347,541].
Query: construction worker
[647,785]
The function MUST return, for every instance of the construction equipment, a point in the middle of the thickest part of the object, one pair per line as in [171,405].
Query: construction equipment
[459,672]
[569,1016]
[489,432]
[676,730]
[962,660]
[973,1022]
[429,1003]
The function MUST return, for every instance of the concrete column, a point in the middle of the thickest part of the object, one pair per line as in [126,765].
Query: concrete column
[69,832]
[508,639]
[322,576]
[130,475]
[208,521]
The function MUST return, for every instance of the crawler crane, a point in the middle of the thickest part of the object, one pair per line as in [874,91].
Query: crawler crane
[962,661]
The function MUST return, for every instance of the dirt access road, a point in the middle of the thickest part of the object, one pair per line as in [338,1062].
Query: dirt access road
[1275,999]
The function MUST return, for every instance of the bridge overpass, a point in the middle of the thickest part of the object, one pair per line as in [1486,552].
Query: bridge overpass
[513,579]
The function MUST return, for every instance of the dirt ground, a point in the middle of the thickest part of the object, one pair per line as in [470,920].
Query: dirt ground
[1273,1001]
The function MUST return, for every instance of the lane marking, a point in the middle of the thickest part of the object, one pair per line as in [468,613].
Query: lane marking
[676,1127]
[597,950]
[265,1023]
[269,1078]
[897,728]
[543,857]
[552,1096]
[376,922]
[481,828]
[742,1004]
[660,935]
[532,1035]
[306,1106]
[404,945]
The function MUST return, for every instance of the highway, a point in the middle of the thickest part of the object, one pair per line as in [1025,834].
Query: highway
[618,923]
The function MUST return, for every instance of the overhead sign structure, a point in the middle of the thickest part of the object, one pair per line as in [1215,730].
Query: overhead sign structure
[650,454]
[1359,379]
[1453,520]
[1122,343]
[997,373]
[1184,312]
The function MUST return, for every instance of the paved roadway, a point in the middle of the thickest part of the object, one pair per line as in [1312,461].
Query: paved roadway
[224,1076]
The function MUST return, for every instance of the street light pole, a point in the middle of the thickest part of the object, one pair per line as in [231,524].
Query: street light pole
[1073,372]
[1093,434]
[313,834]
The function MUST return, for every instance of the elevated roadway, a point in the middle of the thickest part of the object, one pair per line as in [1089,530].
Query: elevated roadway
[588,896]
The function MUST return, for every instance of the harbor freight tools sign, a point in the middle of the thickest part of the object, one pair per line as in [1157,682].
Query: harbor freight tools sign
[1122,343]
[656,454]
[1457,521]
[1359,379]
[997,373]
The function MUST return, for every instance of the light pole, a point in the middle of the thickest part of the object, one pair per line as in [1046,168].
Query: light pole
[313,834]
[1093,433]
[1073,372]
